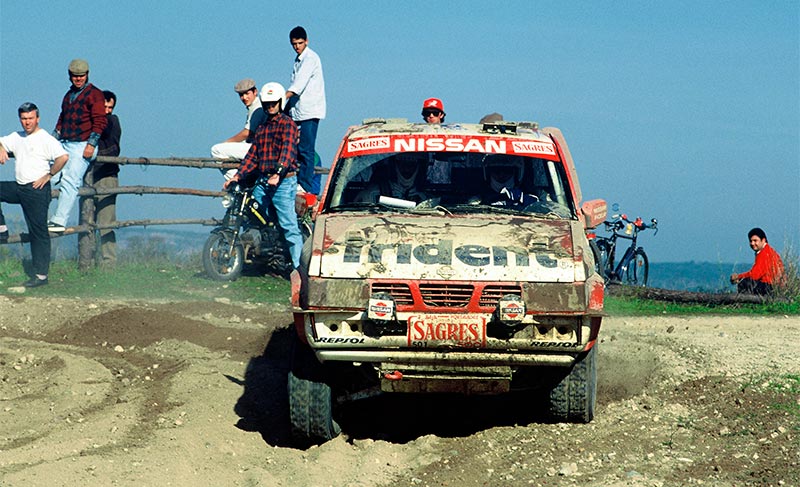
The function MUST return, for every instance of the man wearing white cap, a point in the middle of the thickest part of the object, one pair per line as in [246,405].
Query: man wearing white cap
[236,146]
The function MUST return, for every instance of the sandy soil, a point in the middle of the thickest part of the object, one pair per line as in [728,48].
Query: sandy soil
[190,394]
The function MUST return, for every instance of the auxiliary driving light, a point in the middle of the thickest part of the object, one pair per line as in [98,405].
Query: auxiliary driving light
[511,309]
[381,307]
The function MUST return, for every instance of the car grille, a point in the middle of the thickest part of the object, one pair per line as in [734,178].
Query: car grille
[491,294]
[399,291]
[446,295]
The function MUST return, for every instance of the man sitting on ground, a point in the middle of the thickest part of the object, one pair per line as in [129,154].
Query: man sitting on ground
[766,271]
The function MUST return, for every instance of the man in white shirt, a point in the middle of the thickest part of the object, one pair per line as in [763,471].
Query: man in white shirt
[236,146]
[33,149]
[306,103]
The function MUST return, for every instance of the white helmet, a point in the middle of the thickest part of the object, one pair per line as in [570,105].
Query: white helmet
[272,92]
[502,171]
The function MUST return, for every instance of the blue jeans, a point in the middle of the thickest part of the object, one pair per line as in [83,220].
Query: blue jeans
[281,200]
[305,153]
[71,180]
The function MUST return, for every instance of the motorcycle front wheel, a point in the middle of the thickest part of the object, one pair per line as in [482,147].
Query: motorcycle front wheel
[221,260]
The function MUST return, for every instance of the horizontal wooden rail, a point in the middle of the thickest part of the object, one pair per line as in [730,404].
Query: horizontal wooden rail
[87,228]
[24,237]
[199,163]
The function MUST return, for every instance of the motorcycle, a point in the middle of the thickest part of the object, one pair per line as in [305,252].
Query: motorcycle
[250,234]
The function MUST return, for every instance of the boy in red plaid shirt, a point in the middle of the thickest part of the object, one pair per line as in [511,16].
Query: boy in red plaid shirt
[272,165]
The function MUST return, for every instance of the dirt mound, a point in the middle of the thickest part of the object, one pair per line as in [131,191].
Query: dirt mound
[113,393]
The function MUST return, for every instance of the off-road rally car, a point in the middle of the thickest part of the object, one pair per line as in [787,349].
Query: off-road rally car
[447,259]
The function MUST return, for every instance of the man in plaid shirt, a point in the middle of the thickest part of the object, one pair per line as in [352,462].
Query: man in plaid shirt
[82,120]
[272,165]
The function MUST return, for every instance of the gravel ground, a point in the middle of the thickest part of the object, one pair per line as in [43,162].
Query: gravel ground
[187,394]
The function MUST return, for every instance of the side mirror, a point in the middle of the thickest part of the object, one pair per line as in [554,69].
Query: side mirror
[594,213]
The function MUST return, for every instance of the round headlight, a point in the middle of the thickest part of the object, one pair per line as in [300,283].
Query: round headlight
[227,201]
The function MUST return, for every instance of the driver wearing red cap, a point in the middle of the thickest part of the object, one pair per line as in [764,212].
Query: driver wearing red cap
[433,111]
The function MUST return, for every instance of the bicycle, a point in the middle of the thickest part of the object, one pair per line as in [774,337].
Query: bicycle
[633,268]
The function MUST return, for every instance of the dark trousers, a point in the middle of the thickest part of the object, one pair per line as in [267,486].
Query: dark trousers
[750,286]
[35,203]
[305,153]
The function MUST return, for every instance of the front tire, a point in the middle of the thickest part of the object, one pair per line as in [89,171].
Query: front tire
[219,261]
[310,399]
[574,398]
[605,259]
[638,269]
[598,259]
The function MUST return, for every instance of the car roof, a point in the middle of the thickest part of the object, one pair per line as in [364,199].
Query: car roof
[398,135]
[374,126]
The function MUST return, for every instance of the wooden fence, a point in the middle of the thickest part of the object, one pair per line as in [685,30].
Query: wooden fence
[87,228]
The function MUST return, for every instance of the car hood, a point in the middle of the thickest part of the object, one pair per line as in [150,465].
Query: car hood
[468,247]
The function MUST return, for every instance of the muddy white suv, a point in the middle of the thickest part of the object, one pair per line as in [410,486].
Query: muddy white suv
[447,258]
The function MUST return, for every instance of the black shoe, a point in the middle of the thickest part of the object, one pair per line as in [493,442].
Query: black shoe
[35,282]
[55,227]
[3,237]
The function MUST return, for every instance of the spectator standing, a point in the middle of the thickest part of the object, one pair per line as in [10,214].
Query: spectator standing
[106,176]
[34,149]
[237,146]
[80,124]
[433,111]
[272,165]
[766,271]
[305,99]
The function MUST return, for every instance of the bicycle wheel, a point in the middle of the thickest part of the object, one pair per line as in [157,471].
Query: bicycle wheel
[638,269]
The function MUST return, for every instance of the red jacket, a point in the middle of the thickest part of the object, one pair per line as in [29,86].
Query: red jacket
[83,118]
[768,267]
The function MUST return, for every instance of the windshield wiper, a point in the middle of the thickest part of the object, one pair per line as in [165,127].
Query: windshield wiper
[361,206]
[467,208]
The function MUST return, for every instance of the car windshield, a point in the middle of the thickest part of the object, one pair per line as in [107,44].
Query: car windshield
[459,182]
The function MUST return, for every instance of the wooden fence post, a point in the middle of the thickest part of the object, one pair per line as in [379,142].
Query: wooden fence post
[87,246]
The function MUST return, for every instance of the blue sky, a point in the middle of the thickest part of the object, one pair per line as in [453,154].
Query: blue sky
[684,111]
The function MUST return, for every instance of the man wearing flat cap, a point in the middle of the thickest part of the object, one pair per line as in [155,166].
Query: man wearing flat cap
[79,126]
[236,147]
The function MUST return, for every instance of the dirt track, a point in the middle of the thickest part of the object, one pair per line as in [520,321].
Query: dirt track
[189,394]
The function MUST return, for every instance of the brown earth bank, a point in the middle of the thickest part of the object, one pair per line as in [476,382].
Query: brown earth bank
[193,394]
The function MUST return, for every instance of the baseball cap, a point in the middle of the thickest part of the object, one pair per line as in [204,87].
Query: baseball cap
[433,103]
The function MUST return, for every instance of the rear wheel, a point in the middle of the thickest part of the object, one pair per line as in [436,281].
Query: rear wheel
[221,260]
[575,397]
[638,269]
[310,400]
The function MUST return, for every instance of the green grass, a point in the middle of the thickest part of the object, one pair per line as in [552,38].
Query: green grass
[617,305]
[156,280]
[787,390]
[150,269]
